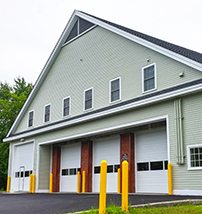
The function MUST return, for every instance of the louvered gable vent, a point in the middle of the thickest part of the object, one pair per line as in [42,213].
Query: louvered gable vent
[79,27]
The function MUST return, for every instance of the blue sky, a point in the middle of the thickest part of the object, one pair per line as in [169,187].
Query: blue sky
[29,29]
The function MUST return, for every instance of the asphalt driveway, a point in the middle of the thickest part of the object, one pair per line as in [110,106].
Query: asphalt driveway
[67,203]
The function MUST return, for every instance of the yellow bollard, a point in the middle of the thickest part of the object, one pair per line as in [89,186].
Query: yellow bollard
[78,182]
[103,187]
[124,201]
[33,183]
[170,179]
[51,183]
[30,183]
[8,184]
[119,180]
[83,181]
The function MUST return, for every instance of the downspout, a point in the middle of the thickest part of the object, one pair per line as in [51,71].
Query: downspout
[179,130]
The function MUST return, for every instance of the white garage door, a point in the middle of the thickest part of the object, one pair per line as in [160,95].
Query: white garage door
[70,164]
[106,149]
[22,167]
[151,162]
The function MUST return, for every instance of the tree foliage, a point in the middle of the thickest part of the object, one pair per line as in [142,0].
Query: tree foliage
[12,99]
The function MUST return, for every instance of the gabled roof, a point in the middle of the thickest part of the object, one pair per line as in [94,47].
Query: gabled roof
[193,55]
[183,55]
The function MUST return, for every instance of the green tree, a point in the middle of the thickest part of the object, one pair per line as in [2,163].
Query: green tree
[12,99]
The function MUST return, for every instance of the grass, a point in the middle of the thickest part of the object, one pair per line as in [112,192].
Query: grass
[178,209]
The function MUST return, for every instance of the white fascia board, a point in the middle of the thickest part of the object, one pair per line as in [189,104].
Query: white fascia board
[43,73]
[106,130]
[141,103]
[143,42]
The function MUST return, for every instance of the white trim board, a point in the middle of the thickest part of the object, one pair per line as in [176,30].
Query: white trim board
[106,130]
[187,192]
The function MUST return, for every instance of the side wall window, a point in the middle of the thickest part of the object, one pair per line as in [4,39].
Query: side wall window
[115,89]
[149,78]
[194,154]
[88,99]
[47,113]
[66,106]
[31,118]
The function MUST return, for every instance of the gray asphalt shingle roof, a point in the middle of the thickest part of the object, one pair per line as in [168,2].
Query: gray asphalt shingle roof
[193,55]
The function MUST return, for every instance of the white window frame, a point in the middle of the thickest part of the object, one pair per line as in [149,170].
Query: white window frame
[110,89]
[89,109]
[45,112]
[69,106]
[189,159]
[32,121]
[155,78]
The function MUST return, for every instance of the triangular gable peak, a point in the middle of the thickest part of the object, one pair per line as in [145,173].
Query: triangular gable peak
[80,23]
[79,27]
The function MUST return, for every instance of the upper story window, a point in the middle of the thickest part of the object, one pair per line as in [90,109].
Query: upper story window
[149,77]
[47,113]
[194,154]
[115,89]
[88,99]
[66,106]
[31,118]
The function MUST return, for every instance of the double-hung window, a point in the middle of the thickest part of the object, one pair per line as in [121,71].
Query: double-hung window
[47,113]
[66,106]
[88,99]
[194,154]
[115,89]
[31,118]
[149,77]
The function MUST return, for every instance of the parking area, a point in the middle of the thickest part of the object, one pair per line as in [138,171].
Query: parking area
[68,203]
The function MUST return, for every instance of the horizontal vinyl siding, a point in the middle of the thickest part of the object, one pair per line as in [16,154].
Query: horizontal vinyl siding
[91,61]
[192,113]
[44,167]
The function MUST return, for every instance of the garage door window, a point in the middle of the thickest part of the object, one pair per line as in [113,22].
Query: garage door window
[71,171]
[143,166]
[110,169]
[96,169]
[23,174]
[116,167]
[153,165]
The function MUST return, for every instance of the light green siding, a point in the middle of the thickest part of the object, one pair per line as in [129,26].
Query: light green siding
[192,113]
[44,167]
[92,61]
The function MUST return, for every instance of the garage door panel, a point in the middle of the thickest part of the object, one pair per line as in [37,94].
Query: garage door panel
[155,182]
[70,165]
[151,160]
[22,166]
[106,149]
[68,184]
[155,142]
